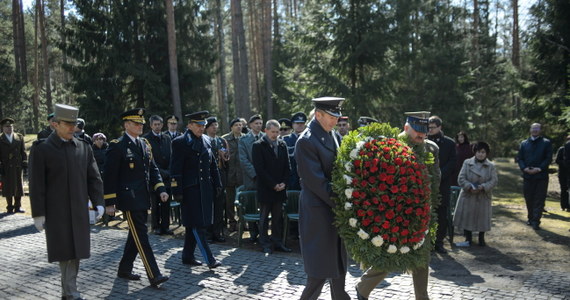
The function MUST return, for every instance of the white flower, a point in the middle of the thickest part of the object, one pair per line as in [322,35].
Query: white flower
[352,222]
[354,153]
[418,245]
[347,205]
[377,241]
[359,145]
[392,249]
[347,178]
[405,249]
[348,193]
[362,234]
[348,166]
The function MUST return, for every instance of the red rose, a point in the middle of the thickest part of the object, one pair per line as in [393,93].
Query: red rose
[355,181]
[373,190]
[357,172]
[361,213]
[367,164]
[391,202]
[381,207]
[357,163]
[403,180]
[390,215]
[386,149]
[409,210]
[394,189]
[377,219]
[362,195]
[398,161]
[404,232]
[391,169]
[409,201]
[385,198]
[375,229]
[366,222]
[387,156]
[400,207]
[393,240]
[382,187]
[384,165]
[355,194]
[419,212]
[370,212]
[356,202]
[372,179]
[365,203]
[404,241]
[373,169]
[403,170]
[390,179]
[406,223]
[399,219]
[383,176]
[375,200]
[404,188]
[363,183]
[386,225]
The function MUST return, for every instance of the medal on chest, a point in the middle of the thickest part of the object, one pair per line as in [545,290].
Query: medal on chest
[130,158]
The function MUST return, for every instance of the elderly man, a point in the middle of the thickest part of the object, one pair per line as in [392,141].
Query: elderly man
[13,160]
[535,155]
[64,177]
[415,131]
[234,176]
[324,255]
[195,181]
[130,177]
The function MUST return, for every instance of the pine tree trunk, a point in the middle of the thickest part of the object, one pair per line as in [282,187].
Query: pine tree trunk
[222,88]
[516,43]
[172,59]
[42,24]
[267,56]
[256,53]
[239,51]
[36,98]
[63,39]
[16,35]
[22,48]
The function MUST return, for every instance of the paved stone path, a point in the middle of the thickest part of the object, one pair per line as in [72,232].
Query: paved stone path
[245,274]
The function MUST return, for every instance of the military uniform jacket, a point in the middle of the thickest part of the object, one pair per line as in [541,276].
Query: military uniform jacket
[234,176]
[63,177]
[323,251]
[245,145]
[12,159]
[195,176]
[130,174]
[160,146]
[293,181]
[271,170]
[45,133]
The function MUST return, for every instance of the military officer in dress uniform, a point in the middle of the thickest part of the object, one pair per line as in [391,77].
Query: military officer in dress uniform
[324,255]
[64,176]
[415,131]
[343,125]
[195,179]
[172,124]
[299,120]
[13,160]
[130,177]
[49,129]
[286,127]
[363,121]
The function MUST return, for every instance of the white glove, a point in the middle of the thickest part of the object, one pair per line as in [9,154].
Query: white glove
[100,211]
[40,223]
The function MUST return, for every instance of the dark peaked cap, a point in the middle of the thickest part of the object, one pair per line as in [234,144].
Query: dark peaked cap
[330,105]
[135,115]
[419,120]
[198,117]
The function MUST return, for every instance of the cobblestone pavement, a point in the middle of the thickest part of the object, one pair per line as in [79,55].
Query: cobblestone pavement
[245,274]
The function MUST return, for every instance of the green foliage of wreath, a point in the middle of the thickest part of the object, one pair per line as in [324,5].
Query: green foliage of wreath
[384,208]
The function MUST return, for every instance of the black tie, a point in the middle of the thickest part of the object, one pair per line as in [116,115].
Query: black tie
[257,137]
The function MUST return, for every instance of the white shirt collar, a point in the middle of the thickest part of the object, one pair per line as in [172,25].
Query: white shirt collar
[132,138]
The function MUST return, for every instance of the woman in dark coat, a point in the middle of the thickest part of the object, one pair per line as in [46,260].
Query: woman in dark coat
[464,151]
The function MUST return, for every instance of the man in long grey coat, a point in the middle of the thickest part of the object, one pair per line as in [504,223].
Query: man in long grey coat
[324,254]
[64,176]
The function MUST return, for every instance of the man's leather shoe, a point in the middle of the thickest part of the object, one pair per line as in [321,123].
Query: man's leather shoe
[439,249]
[359,296]
[158,280]
[214,265]
[167,232]
[19,210]
[192,262]
[528,223]
[282,248]
[267,250]
[535,226]
[129,276]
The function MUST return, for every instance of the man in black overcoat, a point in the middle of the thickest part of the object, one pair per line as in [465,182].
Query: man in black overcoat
[64,177]
[324,254]
[271,165]
[160,145]
[195,179]
[131,176]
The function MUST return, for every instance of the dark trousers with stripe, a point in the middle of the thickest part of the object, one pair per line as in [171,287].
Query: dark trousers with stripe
[196,236]
[137,243]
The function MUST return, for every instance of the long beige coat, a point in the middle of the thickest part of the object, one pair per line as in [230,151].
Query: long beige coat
[473,210]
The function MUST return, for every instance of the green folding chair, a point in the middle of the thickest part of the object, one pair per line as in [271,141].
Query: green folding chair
[291,212]
[247,210]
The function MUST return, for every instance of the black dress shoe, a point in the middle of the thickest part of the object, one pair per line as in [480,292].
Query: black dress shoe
[282,248]
[19,210]
[214,265]
[158,280]
[129,276]
[535,226]
[359,296]
[528,223]
[192,262]
[167,232]
[439,249]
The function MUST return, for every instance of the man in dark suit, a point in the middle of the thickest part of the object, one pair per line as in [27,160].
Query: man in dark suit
[130,177]
[324,254]
[80,132]
[172,124]
[447,161]
[222,155]
[271,165]
[195,179]
[13,160]
[160,146]
[64,177]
